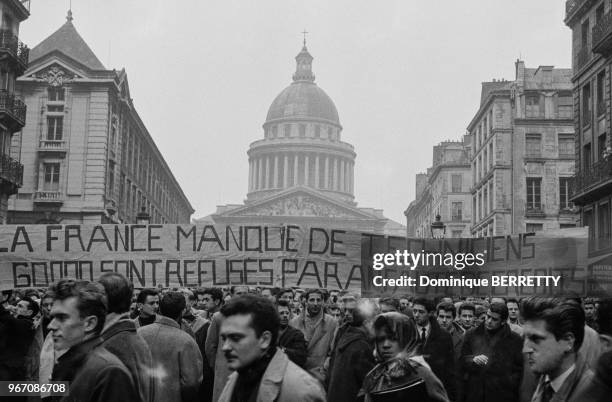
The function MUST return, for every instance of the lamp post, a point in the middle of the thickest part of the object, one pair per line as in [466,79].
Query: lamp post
[143,218]
[438,228]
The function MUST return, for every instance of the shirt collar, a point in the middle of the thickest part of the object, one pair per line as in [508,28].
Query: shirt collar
[558,382]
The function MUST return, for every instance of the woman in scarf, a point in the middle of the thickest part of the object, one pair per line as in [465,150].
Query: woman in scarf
[401,375]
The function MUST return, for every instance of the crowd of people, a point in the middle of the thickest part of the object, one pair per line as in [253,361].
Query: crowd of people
[112,342]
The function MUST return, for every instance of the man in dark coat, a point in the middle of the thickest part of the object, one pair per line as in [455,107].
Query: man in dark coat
[290,340]
[351,357]
[492,359]
[436,345]
[120,337]
[94,373]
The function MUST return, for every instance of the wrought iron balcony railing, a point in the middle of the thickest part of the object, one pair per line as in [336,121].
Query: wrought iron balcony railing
[14,107]
[591,177]
[602,34]
[9,42]
[11,170]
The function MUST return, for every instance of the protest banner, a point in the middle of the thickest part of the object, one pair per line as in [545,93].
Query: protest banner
[181,255]
[546,263]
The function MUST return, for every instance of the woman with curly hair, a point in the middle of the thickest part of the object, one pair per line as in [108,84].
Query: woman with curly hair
[401,375]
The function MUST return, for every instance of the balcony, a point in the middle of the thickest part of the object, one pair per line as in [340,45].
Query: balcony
[571,6]
[592,183]
[49,197]
[11,174]
[534,210]
[12,111]
[583,56]
[52,146]
[602,35]
[14,48]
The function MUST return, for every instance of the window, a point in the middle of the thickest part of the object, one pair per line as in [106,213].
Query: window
[317,131]
[485,204]
[274,131]
[54,127]
[4,80]
[564,193]
[457,211]
[287,129]
[601,145]
[532,106]
[302,130]
[599,13]
[588,221]
[586,157]
[584,33]
[52,171]
[111,179]
[565,106]
[330,133]
[586,104]
[603,226]
[566,146]
[601,101]
[491,154]
[534,227]
[56,94]
[456,233]
[533,145]
[491,196]
[456,183]
[534,195]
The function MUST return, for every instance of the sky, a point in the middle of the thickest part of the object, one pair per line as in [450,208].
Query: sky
[404,76]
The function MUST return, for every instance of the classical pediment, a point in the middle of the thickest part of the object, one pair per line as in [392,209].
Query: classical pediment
[55,74]
[300,203]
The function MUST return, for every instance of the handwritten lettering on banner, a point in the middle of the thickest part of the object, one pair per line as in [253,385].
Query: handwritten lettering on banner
[181,255]
[560,254]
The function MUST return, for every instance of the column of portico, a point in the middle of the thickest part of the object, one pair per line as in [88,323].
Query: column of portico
[316,182]
[250,175]
[275,184]
[326,177]
[306,169]
[336,174]
[267,178]
[342,175]
[295,169]
[286,171]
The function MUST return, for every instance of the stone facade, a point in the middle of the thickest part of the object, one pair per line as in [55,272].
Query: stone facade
[87,156]
[13,62]
[522,160]
[591,25]
[444,190]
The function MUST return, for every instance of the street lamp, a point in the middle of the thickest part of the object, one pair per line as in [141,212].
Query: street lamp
[438,228]
[143,218]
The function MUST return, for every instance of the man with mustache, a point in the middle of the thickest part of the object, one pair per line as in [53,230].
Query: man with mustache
[262,372]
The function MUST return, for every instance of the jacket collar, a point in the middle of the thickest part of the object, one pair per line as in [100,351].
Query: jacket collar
[570,382]
[273,377]
[124,324]
[71,362]
[160,319]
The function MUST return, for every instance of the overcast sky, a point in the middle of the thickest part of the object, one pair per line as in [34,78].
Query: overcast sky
[404,75]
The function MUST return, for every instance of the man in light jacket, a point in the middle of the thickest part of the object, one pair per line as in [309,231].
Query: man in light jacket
[177,361]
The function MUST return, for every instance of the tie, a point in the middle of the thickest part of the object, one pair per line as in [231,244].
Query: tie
[548,392]
[423,334]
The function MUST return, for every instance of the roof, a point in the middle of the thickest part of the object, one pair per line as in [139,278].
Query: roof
[68,41]
[303,100]
[488,87]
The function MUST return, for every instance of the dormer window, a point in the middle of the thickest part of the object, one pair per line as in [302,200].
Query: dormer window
[56,94]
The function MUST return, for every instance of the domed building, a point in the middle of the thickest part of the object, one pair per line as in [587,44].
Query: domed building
[301,172]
